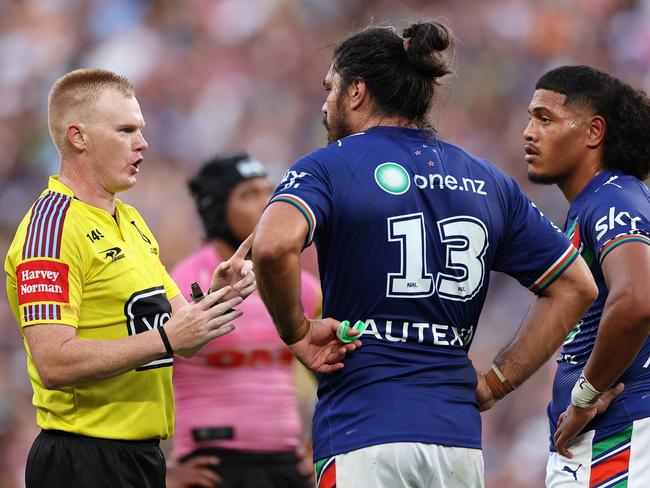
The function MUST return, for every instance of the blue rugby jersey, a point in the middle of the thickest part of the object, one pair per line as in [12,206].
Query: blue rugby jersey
[407,229]
[611,210]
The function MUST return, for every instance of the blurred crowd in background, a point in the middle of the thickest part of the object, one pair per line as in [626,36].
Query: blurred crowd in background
[216,76]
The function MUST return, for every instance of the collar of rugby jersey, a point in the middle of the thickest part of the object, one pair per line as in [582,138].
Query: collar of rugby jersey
[596,182]
[55,185]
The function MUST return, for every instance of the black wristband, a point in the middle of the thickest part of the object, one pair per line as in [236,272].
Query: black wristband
[165,339]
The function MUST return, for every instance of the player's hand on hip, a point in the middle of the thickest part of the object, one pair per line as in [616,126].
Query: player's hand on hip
[484,396]
[236,272]
[319,349]
[574,419]
[194,472]
[196,324]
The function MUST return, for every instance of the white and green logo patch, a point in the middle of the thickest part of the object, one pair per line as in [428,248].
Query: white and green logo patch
[573,333]
[392,178]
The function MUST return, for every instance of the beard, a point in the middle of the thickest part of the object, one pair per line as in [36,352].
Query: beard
[339,126]
[543,179]
[549,179]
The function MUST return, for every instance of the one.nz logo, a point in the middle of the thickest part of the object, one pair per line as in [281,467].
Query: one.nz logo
[147,310]
[114,254]
[392,178]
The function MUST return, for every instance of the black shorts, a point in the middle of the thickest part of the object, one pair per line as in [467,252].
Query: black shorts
[240,469]
[63,460]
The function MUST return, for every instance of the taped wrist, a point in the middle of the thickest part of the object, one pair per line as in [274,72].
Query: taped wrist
[584,395]
[498,383]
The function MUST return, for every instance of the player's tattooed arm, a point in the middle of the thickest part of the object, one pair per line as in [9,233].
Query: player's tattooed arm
[278,243]
[547,323]
[277,246]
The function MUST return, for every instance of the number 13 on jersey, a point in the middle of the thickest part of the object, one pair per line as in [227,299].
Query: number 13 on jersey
[465,241]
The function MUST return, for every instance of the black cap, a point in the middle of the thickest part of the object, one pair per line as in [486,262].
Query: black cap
[212,186]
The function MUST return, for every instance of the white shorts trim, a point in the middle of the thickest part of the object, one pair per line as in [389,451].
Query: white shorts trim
[410,465]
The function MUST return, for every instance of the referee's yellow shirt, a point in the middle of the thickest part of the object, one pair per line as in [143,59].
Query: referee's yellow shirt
[74,264]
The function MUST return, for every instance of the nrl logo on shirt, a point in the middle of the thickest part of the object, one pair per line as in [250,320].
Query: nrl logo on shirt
[114,254]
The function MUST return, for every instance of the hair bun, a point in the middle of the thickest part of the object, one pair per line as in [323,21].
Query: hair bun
[427,44]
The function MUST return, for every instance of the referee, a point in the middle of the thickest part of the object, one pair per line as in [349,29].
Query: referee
[100,317]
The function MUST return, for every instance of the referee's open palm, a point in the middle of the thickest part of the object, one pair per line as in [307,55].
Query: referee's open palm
[195,324]
[236,272]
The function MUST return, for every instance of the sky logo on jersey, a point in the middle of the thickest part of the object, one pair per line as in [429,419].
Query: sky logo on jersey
[612,219]
[392,178]
[42,280]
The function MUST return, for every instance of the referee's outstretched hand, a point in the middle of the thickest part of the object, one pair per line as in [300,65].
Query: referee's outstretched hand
[236,272]
[196,324]
[320,350]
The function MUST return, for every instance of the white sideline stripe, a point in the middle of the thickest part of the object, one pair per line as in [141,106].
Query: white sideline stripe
[611,453]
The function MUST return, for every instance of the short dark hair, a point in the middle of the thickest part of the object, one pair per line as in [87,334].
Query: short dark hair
[626,111]
[401,73]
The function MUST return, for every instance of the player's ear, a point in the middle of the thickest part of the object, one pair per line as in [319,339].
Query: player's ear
[357,93]
[597,131]
[76,136]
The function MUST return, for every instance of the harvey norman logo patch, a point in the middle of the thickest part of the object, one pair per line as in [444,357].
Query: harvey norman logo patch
[42,280]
